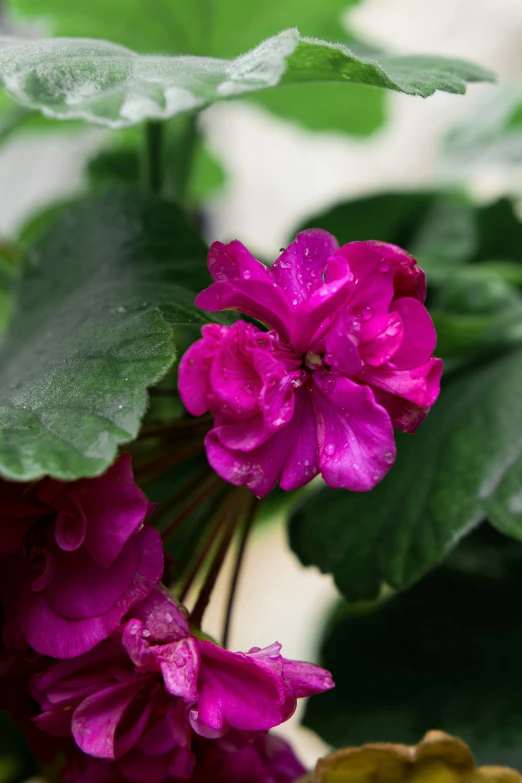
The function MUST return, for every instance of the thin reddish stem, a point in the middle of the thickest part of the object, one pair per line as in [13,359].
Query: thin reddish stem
[245,534]
[180,494]
[233,513]
[202,556]
[206,487]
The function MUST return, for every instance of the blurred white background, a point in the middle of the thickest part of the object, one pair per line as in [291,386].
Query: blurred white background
[278,174]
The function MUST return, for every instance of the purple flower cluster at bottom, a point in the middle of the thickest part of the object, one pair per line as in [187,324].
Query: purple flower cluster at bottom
[100,662]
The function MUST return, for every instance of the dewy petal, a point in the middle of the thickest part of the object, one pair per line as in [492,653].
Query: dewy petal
[289,455]
[342,343]
[265,302]
[421,385]
[372,290]
[70,529]
[179,664]
[234,261]
[194,369]
[96,719]
[406,416]
[419,338]
[306,679]
[309,317]
[114,508]
[409,279]
[354,434]
[51,634]
[235,692]
[380,343]
[234,380]
[299,269]
[161,616]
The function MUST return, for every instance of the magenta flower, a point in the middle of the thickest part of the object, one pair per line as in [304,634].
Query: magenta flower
[348,356]
[239,757]
[112,698]
[75,557]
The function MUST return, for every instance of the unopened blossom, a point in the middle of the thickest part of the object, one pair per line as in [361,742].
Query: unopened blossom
[348,356]
[153,684]
[74,557]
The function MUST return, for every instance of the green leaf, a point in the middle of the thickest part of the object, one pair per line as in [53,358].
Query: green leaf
[463,465]
[104,292]
[109,85]
[220,28]
[389,217]
[445,653]
[327,107]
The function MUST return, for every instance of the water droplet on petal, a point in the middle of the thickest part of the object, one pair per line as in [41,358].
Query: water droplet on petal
[329,449]
[168,617]
[375,476]
[384,267]
[389,457]
[367,313]
[246,275]
[294,302]
[248,389]
[355,466]
[145,633]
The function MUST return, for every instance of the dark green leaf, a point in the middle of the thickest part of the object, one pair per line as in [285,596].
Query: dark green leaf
[445,654]
[389,217]
[109,85]
[465,463]
[103,293]
[327,107]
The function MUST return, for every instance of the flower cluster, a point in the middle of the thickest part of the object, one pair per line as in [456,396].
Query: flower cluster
[347,357]
[99,661]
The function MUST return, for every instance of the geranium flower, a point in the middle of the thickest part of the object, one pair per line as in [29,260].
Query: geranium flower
[348,356]
[75,556]
[153,683]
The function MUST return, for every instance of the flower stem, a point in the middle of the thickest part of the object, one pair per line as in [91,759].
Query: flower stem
[247,529]
[232,514]
[207,487]
[202,556]
[153,160]
[182,155]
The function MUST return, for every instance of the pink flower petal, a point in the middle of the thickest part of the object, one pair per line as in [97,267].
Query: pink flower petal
[194,370]
[114,508]
[409,279]
[49,633]
[234,379]
[235,692]
[81,589]
[96,719]
[420,338]
[234,262]
[372,290]
[306,679]
[265,302]
[308,318]
[384,341]
[342,344]
[299,268]
[421,385]
[179,664]
[290,455]
[354,434]
[406,416]
[162,617]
